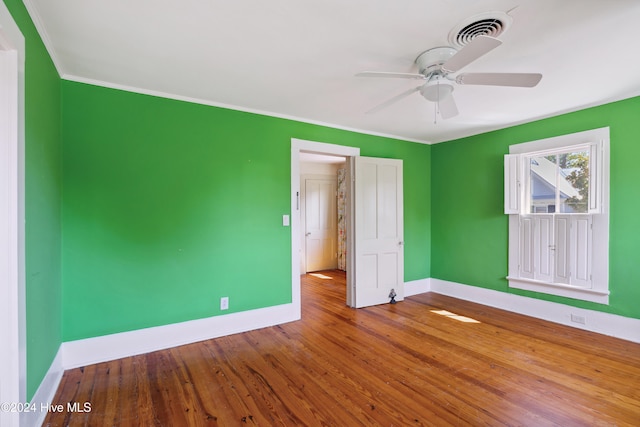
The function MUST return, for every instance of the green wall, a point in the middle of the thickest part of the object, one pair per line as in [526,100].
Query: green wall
[470,241]
[43,180]
[169,206]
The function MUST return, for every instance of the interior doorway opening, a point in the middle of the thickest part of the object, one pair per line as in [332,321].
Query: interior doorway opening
[374,226]
[323,236]
[307,148]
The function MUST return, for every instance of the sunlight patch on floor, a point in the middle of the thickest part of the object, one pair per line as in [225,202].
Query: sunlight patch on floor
[320,276]
[455,316]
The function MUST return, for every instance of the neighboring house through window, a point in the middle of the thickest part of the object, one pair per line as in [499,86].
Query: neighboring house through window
[557,197]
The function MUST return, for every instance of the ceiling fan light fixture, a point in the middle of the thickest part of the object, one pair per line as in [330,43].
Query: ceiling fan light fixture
[436,90]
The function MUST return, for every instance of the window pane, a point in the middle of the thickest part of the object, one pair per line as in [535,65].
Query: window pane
[573,182]
[543,184]
[561,179]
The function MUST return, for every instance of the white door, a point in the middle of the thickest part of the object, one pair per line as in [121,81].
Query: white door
[321,224]
[378,232]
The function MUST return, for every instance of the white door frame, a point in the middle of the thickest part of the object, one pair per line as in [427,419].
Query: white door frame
[298,146]
[12,281]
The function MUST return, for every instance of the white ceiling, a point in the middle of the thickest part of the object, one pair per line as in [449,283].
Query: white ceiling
[297,59]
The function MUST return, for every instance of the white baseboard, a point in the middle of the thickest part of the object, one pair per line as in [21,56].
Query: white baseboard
[115,346]
[595,321]
[110,347]
[45,393]
[416,287]
[73,354]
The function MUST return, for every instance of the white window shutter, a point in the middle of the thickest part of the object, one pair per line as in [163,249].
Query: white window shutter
[527,260]
[581,250]
[512,184]
[543,248]
[562,236]
[595,178]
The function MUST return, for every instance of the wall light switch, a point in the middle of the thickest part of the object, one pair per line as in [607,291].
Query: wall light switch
[285,220]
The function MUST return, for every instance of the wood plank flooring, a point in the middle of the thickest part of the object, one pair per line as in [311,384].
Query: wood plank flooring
[389,365]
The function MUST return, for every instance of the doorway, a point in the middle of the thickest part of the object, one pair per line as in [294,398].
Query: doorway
[322,206]
[299,146]
[374,225]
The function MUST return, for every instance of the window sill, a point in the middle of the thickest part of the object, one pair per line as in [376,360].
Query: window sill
[592,295]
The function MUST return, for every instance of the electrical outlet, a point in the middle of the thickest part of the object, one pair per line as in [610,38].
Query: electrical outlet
[224,303]
[578,319]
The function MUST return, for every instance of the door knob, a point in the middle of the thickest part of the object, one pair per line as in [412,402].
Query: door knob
[307,234]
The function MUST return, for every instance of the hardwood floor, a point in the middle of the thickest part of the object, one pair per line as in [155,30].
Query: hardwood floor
[389,365]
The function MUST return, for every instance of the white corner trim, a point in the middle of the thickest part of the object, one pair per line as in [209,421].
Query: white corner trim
[38,22]
[596,321]
[115,346]
[13,323]
[45,393]
[415,287]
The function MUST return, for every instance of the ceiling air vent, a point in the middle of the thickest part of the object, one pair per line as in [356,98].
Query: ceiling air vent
[486,24]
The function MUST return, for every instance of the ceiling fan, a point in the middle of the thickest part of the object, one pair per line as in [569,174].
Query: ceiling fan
[435,67]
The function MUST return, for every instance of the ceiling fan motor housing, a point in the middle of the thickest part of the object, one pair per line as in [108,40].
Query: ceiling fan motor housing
[431,60]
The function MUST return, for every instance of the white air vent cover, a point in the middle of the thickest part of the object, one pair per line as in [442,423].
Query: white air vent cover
[486,24]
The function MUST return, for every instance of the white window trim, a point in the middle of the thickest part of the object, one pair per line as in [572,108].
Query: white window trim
[599,291]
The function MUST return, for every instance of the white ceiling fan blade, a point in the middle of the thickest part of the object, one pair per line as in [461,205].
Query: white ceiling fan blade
[392,100]
[476,48]
[500,79]
[447,107]
[391,75]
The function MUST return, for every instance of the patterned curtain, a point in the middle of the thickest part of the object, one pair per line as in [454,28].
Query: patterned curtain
[342,230]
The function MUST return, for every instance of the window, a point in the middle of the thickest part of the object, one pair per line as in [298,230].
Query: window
[559,182]
[556,195]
